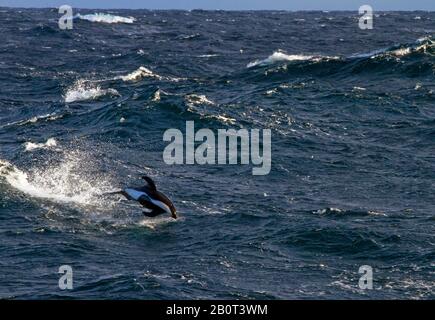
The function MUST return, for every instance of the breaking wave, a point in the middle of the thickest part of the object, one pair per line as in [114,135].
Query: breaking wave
[84,90]
[143,72]
[139,74]
[105,18]
[30,146]
[425,46]
[194,99]
[35,119]
[279,56]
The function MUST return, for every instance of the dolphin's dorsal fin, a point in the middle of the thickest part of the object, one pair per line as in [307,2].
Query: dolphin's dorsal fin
[150,182]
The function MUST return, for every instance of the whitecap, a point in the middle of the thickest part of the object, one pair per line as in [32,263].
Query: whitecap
[105,18]
[35,119]
[279,56]
[83,90]
[423,45]
[225,119]
[401,52]
[139,74]
[143,72]
[208,55]
[194,100]
[30,146]
[198,99]
[359,89]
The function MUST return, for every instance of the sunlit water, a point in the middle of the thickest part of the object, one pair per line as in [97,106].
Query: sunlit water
[83,112]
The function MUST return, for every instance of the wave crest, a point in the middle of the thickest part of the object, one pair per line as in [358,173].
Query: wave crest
[422,46]
[105,18]
[30,146]
[143,72]
[83,90]
[279,56]
[139,74]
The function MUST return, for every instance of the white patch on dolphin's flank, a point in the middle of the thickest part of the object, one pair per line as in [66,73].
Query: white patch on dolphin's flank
[136,194]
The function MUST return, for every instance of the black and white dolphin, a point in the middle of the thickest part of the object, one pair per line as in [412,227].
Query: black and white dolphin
[149,197]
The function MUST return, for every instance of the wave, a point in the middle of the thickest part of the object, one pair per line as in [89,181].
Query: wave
[143,72]
[30,146]
[198,99]
[208,55]
[157,96]
[409,59]
[342,213]
[139,74]
[279,56]
[423,46]
[105,18]
[35,119]
[191,105]
[84,90]
[195,102]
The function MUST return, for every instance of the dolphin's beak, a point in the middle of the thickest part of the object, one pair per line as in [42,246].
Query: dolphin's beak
[174,215]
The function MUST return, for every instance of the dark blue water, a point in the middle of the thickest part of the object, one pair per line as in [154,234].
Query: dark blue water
[353,158]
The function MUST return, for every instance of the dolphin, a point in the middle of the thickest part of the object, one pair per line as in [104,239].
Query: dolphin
[149,197]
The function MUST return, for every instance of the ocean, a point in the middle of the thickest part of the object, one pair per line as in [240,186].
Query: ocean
[351,185]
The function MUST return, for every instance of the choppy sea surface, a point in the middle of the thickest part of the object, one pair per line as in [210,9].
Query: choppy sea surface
[352,115]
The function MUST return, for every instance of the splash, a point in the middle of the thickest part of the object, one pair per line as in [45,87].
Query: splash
[157,222]
[71,180]
[105,18]
[83,90]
